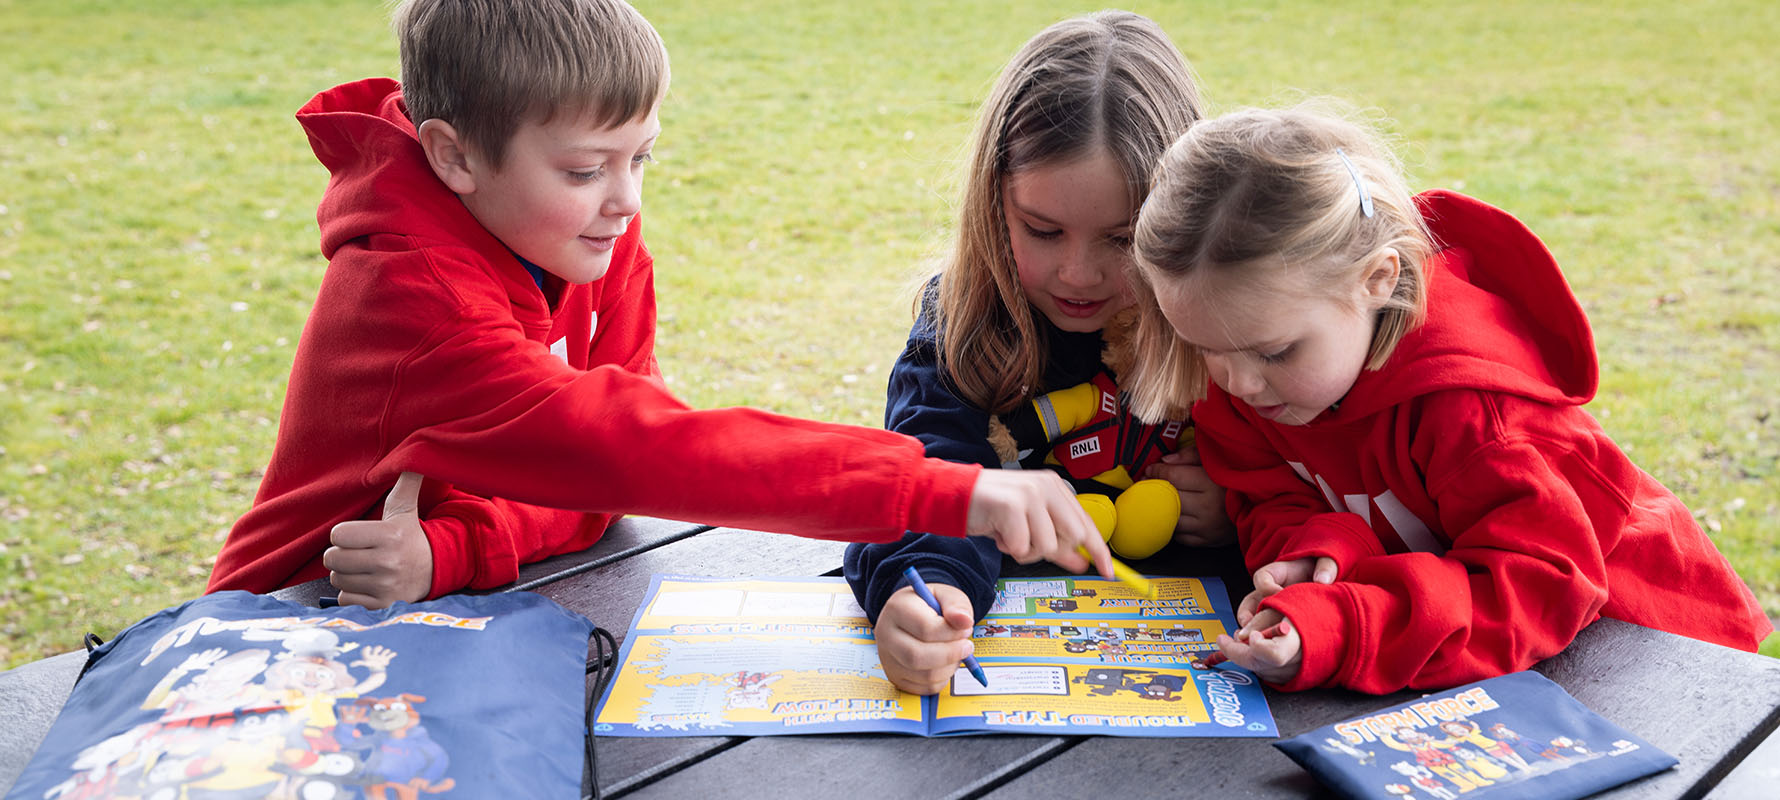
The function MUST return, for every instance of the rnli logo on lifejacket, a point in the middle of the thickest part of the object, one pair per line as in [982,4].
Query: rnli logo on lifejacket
[1086,447]
[1108,403]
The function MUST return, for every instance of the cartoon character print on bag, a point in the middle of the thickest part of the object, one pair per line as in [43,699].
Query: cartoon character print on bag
[400,758]
[254,724]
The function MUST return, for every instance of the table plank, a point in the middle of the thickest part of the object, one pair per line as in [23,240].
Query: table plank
[1757,776]
[857,767]
[622,537]
[1707,705]
[30,697]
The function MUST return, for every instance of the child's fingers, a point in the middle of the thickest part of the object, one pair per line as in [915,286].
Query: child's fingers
[909,615]
[1014,537]
[1249,606]
[1098,554]
[1234,651]
[350,598]
[1275,646]
[359,534]
[1325,570]
[916,665]
[350,560]
[1185,477]
[1185,455]
[1041,533]
[1267,583]
[385,561]
[959,620]
[360,582]
[1260,620]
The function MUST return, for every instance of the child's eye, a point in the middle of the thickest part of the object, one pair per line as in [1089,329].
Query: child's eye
[589,175]
[643,158]
[1038,234]
[1278,356]
[1121,241]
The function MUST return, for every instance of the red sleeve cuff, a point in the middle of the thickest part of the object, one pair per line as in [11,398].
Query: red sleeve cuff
[1315,613]
[471,544]
[454,555]
[939,497]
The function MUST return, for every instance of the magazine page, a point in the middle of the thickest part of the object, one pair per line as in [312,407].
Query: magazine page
[752,657]
[1090,656]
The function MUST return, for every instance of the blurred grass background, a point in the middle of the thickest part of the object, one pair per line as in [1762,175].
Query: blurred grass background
[158,242]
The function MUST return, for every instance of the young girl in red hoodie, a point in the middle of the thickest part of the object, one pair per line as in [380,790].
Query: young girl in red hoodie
[1395,406]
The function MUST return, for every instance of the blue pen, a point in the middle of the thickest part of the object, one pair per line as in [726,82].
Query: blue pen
[920,586]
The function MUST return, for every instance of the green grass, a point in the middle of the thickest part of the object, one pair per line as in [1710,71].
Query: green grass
[158,244]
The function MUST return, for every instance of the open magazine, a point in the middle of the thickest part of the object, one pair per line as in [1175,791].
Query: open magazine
[1068,655]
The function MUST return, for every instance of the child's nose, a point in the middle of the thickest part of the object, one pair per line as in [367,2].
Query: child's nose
[627,196]
[1080,269]
[1238,379]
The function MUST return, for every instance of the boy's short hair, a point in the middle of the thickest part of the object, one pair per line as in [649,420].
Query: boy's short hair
[489,66]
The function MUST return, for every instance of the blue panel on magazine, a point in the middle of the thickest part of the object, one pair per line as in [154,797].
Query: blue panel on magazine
[243,695]
[1516,736]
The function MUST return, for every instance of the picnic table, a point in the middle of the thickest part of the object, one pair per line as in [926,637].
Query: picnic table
[1713,708]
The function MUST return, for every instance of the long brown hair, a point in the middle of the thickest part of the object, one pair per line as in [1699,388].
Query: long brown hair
[1110,80]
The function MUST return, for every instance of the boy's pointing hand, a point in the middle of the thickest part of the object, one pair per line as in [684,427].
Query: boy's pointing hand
[381,561]
[1033,515]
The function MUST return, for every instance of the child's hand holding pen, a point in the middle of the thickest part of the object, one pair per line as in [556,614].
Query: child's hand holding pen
[920,649]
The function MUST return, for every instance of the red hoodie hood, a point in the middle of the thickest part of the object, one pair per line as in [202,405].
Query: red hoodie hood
[355,129]
[1501,318]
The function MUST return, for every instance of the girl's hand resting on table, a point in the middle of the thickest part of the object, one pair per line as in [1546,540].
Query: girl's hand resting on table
[376,562]
[1203,521]
[920,649]
[1034,515]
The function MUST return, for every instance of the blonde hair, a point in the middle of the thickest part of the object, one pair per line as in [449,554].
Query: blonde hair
[1111,80]
[489,66]
[1253,191]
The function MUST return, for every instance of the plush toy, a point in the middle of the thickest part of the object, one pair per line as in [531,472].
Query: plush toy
[1086,434]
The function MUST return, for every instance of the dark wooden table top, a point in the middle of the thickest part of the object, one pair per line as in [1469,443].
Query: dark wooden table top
[1709,706]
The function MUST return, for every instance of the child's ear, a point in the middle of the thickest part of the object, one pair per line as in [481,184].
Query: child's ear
[1380,280]
[450,159]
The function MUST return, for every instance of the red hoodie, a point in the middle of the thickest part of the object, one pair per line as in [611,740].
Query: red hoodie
[1481,517]
[431,349]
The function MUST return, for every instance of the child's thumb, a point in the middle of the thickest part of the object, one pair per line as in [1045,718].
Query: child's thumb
[404,499]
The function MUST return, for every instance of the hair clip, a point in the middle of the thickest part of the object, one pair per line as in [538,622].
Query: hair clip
[1365,199]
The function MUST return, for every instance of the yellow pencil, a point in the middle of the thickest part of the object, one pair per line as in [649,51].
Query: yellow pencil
[1127,576]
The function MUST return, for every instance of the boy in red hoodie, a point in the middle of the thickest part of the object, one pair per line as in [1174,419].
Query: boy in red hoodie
[1395,408]
[487,320]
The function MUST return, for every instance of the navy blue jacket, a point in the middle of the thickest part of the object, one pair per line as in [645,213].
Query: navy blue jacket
[922,404]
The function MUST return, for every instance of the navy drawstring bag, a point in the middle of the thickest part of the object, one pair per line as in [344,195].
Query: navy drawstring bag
[1514,736]
[244,695]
